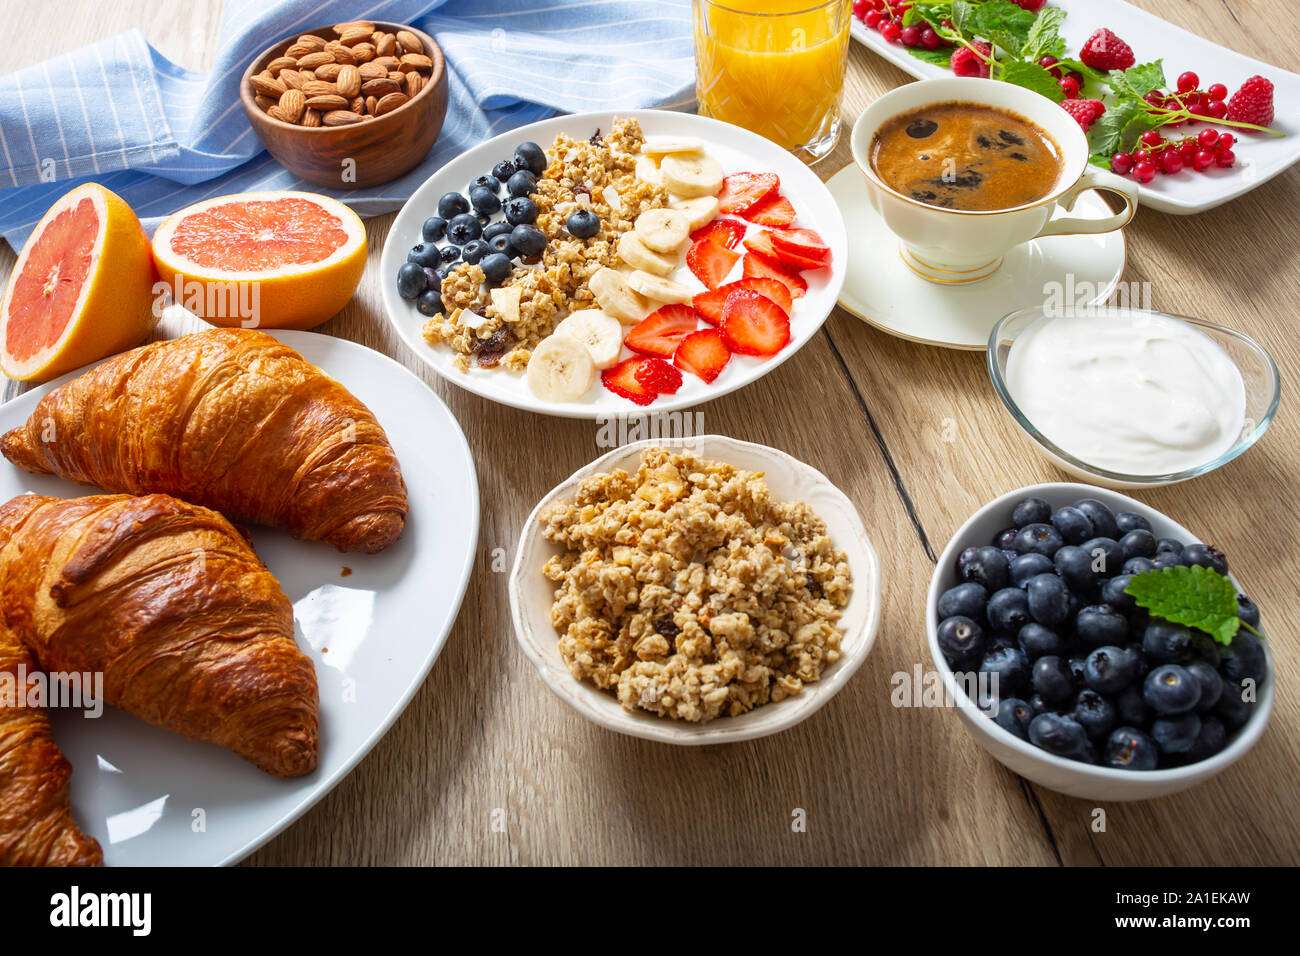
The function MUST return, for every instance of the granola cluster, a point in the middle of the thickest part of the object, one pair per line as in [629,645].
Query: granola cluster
[503,327]
[688,592]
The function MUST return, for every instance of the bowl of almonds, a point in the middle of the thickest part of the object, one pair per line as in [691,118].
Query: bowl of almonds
[349,105]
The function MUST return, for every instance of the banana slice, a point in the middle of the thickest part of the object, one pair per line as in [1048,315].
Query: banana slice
[647,170]
[601,334]
[691,174]
[700,211]
[640,256]
[616,297]
[663,230]
[560,369]
[657,288]
[663,145]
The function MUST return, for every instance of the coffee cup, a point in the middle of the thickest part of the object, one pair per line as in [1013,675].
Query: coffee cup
[955,246]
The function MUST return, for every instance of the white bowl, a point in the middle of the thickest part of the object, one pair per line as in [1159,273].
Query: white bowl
[1071,777]
[532,594]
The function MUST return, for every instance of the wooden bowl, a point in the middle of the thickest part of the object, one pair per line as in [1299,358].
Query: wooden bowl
[363,154]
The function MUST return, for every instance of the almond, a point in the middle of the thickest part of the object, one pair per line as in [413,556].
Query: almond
[339,118]
[371,71]
[358,105]
[311,42]
[313,60]
[348,81]
[341,53]
[319,88]
[264,102]
[292,79]
[371,103]
[281,63]
[387,62]
[386,45]
[278,114]
[415,61]
[395,76]
[328,71]
[267,86]
[298,51]
[342,28]
[311,118]
[364,52]
[414,83]
[409,42]
[389,103]
[307,75]
[354,35]
[380,86]
[292,103]
[327,101]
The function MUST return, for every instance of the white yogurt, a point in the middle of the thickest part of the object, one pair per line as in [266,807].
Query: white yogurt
[1137,393]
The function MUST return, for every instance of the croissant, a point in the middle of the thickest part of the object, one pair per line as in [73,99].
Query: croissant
[36,825]
[230,419]
[168,601]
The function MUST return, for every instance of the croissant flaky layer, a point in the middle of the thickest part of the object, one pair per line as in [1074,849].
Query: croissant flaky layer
[168,601]
[230,419]
[36,825]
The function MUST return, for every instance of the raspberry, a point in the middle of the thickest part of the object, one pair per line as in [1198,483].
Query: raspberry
[1253,103]
[1030,5]
[1085,112]
[1105,51]
[965,62]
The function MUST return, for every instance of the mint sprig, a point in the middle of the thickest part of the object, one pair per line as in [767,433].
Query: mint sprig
[1195,596]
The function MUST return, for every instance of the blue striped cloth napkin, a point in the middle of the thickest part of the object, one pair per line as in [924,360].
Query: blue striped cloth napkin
[163,137]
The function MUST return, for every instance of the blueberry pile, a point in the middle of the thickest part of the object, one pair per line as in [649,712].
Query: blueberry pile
[469,230]
[1082,671]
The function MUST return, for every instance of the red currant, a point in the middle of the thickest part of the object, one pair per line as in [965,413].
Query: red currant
[1217,91]
[929,39]
[873,19]
[1226,141]
[891,31]
[1152,138]
[1224,158]
[1141,156]
[1207,137]
[1188,81]
[1144,172]
[910,36]
[1187,151]
[1216,109]
[1070,86]
[1121,163]
[860,8]
[1171,162]
[1204,160]
[1048,63]
[1154,98]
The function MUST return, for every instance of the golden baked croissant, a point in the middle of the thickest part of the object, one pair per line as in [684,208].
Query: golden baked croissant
[230,419]
[168,601]
[36,825]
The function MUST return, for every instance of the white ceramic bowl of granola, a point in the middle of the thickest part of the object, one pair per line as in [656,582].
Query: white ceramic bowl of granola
[532,594]
[734,148]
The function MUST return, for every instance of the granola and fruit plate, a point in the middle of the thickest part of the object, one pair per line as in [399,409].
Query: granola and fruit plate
[612,263]
[1168,72]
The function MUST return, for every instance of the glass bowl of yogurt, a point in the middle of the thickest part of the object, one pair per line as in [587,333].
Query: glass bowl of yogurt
[1132,398]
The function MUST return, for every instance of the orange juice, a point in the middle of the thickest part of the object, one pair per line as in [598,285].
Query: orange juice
[774,66]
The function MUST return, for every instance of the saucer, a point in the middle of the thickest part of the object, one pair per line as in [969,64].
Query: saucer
[884,290]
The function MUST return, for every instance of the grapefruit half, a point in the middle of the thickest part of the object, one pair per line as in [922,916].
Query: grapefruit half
[82,288]
[269,260]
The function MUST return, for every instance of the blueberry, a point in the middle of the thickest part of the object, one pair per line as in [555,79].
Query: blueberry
[1094,713]
[967,600]
[1009,667]
[474,251]
[1115,593]
[1106,555]
[1245,659]
[1138,543]
[1058,735]
[961,640]
[1036,640]
[1102,518]
[1247,612]
[504,170]
[429,302]
[1038,538]
[450,253]
[1040,706]
[1073,524]
[1232,707]
[432,277]
[521,183]
[1205,556]
[410,280]
[484,220]
[1211,685]
[1143,665]
[1137,566]
[497,229]
[434,228]
[1167,643]
[1130,708]
[1100,624]
[424,254]
[1031,511]
[1169,546]
[1002,640]
[1008,610]
[1127,521]
[1048,599]
[520,211]
[987,566]
[452,205]
[485,200]
[501,243]
[1164,559]
[530,156]
[496,268]
[1109,669]
[1077,663]
[1074,565]
[464,228]
[1212,738]
[964,557]
[486,182]
[529,240]
[1014,716]
[1176,735]
[582,224]
[1128,748]
[1025,566]
[1051,679]
[1170,689]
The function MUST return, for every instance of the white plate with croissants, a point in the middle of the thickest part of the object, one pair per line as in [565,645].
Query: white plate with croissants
[227,562]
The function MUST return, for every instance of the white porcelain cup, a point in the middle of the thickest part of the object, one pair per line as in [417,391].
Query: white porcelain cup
[955,246]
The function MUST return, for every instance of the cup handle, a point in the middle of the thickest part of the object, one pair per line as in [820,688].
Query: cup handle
[1094,179]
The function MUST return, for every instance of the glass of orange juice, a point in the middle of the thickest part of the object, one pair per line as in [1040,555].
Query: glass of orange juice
[775,67]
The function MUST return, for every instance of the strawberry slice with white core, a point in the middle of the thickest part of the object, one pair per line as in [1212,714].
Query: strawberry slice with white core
[703,353]
[802,243]
[711,262]
[729,232]
[761,267]
[621,379]
[752,324]
[773,211]
[660,332]
[741,192]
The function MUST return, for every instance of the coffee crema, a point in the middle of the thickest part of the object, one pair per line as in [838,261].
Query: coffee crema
[966,156]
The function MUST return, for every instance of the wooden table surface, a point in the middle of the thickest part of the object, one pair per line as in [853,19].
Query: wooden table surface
[918,440]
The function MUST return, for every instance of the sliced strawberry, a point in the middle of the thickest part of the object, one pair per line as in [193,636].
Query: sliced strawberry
[752,324]
[621,379]
[658,376]
[761,267]
[729,232]
[775,210]
[774,289]
[802,242]
[711,261]
[709,304]
[763,245]
[741,192]
[660,331]
[703,353]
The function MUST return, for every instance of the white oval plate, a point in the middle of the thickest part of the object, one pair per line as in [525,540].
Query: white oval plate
[532,594]
[153,798]
[736,149]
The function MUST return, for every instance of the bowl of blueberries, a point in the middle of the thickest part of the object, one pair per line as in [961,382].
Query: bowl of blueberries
[1036,630]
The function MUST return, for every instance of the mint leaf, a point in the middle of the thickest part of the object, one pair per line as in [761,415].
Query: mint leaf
[963,16]
[939,57]
[1108,130]
[1137,81]
[1045,35]
[1005,24]
[1032,77]
[1193,596]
